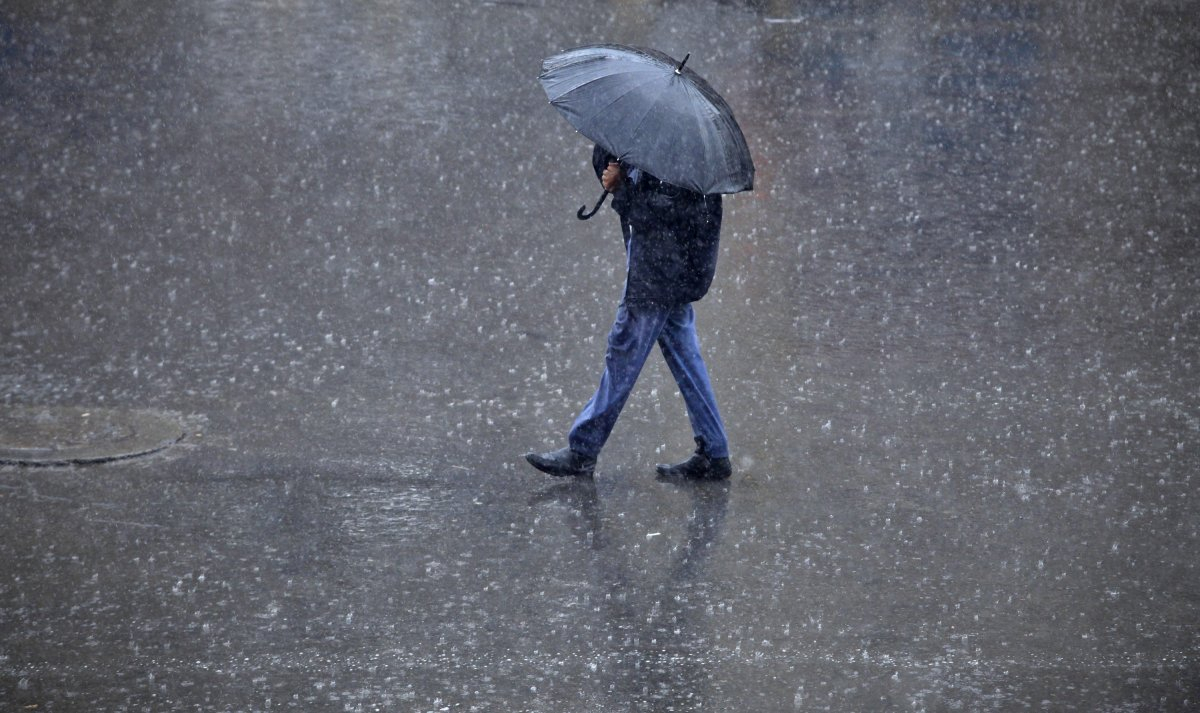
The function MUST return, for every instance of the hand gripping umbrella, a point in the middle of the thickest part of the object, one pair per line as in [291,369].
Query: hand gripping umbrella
[651,112]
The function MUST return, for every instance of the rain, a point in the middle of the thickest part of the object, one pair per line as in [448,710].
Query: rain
[954,334]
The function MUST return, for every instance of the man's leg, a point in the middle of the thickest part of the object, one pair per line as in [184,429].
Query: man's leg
[681,348]
[629,343]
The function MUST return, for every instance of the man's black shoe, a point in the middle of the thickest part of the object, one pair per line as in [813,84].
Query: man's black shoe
[698,467]
[562,462]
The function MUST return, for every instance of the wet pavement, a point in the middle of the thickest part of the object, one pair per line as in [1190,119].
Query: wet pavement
[954,333]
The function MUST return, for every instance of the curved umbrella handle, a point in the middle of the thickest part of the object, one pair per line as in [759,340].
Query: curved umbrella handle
[584,216]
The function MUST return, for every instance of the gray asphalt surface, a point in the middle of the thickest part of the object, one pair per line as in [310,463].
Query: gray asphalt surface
[954,333]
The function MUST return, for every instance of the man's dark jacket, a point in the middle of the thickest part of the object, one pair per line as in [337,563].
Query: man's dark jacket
[671,237]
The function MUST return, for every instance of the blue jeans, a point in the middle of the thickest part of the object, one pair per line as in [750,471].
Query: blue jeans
[637,327]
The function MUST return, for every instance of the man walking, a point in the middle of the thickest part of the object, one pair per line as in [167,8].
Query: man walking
[671,242]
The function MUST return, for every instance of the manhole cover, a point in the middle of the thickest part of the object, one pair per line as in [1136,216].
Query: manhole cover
[73,435]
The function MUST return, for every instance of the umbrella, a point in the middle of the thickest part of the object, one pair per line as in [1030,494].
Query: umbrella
[651,112]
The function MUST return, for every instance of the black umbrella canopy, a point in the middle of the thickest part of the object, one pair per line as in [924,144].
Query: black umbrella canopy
[652,112]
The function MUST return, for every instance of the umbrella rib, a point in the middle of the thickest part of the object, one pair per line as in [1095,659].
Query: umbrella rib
[576,83]
[725,130]
[637,129]
[713,157]
[622,95]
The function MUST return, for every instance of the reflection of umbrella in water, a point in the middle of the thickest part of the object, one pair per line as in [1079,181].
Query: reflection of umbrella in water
[651,112]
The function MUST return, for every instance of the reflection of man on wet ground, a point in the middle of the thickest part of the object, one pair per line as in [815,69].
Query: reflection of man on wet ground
[657,646]
[671,240]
